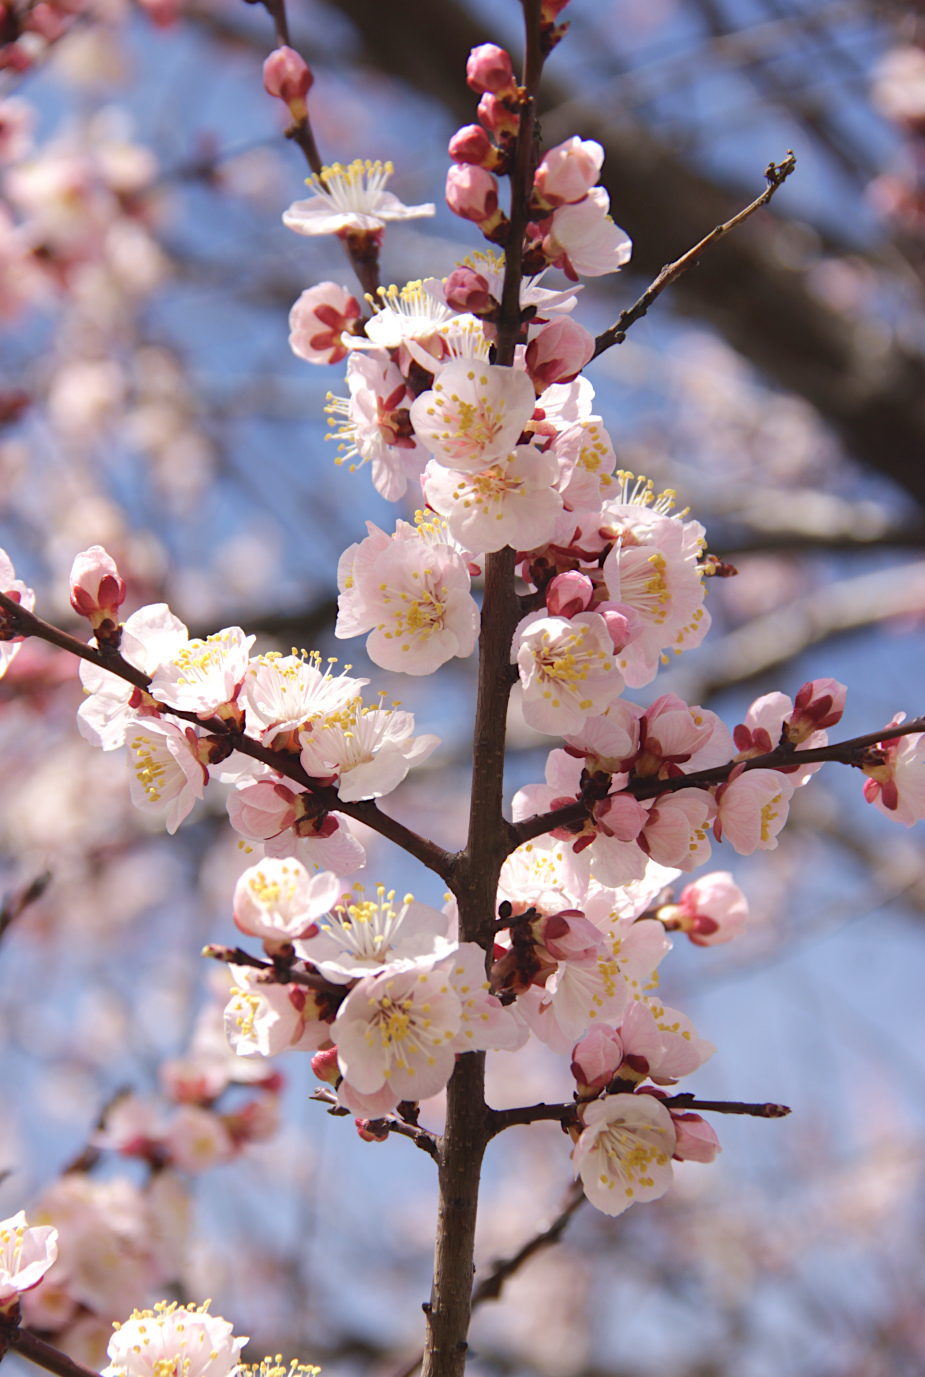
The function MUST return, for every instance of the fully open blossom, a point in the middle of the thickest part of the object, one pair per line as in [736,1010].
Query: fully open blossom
[474,414]
[586,461]
[281,692]
[711,911]
[150,636]
[290,822]
[624,1152]
[97,590]
[367,936]
[394,1032]
[166,770]
[25,1256]
[370,750]
[268,1019]
[510,503]
[661,1043]
[278,901]
[677,830]
[374,424]
[205,677]
[411,592]
[484,1022]
[13,588]
[752,809]
[895,781]
[171,1340]
[348,199]
[569,171]
[673,734]
[318,320]
[402,315]
[567,669]
[583,240]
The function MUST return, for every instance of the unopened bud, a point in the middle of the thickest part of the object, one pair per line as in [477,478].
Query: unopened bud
[97,591]
[372,1130]
[466,290]
[489,69]
[286,74]
[496,117]
[597,1058]
[696,1140]
[568,172]
[559,352]
[471,193]
[324,1065]
[472,145]
[568,594]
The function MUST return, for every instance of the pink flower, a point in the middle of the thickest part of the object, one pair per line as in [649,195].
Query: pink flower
[583,240]
[569,593]
[468,291]
[496,117]
[752,809]
[661,1043]
[411,592]
[472,145]
[896,776]
[375,427]
[318,320]
[489,68]
[97,590]
[819,704]
[711,911]
[13,588]
[174,1339]
[696,1139]
[569,171]
[624,1152]
[559,352]
[349,199]
[765,725]
[149,637]
[609,743]
[676,833]
[205,677]
[25,1256]
[586,462]
[265,1020]
[361,936]
[166,769]
[286,74]
[369,750]
[597,1058]
[196,1139]
[474,414]
[472,193]
[277,901]
[673,734]
[290,822]
[567,670]
[512,502]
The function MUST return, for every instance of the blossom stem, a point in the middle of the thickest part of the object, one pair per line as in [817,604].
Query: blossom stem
[776,174]
[840,753]
[42,1353]
[23,623]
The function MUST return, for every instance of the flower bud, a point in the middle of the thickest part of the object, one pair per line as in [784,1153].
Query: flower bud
[559,352]
[596,1059]
[496,117]
[819,704]
[369,1132]
[472,145]
[696,1139]
[286,74]
[623,622]
[568,594]
[569,935]
[711,911]
[489,69]
[471,193]
[97,590]
[568,172]
[324,1065]
[466,290]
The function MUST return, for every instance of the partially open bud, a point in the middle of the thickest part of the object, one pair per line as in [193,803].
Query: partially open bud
[596,1059]
[696,1140]
[496,117]
[466,290]
[559,352]
[489,69]
[97,592]
[287,75]
[472,145]
[819,704]
[569,593]
[711,911]
[568,172]
[324,1065]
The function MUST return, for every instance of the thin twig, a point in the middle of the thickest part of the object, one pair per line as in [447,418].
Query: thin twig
[776,173]
[566,1114]
[42,1353]
[19,899]
[756,1111]
[21,622]
[490,1287]
[841,753]
[421,1137]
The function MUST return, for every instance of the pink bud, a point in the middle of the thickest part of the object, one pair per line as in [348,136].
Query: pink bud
[569,171]
[696,1140]
[712,910]
[97,591]
[568,594]
[496,117]
[471,192]
[569,935]
[324,1065]
[620,816]
[489,69]
[369,1132]
[623,622]
[559,352]
[286,74]
[819,704]
[597,1058]
[472,145]
[467,290]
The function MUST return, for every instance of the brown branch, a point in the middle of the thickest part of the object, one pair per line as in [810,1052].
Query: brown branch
[421,1137]
[776,174]
[42,1353]
[21,622]
[567,1114]
[841,753]
[756,1111]
[19,899]
[271,974]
